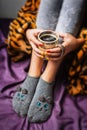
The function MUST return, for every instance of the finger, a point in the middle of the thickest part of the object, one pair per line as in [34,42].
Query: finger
[61,53]
[35,48]
[54,50]
[35,40]
[63,35]
[81,40]
[55,59]
[32,36]
[53,54]
[38,51]
[33,45]
[41,56]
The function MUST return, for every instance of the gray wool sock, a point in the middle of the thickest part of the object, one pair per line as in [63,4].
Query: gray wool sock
[24,95]
[42,103]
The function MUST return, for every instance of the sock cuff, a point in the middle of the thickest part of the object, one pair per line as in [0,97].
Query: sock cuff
[45,82]
[31,77]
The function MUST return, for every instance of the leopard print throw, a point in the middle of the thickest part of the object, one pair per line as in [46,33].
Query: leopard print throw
[77,75]
[18,46]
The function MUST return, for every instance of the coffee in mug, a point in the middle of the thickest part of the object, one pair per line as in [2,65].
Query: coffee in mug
[49,39]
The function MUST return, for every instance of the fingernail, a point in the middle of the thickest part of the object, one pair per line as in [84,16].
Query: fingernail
[40,44]
[48,51]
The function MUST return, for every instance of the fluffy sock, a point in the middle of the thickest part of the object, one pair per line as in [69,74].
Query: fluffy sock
[42,103]
[24,95]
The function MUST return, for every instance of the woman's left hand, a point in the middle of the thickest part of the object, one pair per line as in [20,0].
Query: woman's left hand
[70,43]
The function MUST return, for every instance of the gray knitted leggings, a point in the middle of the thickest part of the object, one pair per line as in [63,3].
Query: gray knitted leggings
[61,15]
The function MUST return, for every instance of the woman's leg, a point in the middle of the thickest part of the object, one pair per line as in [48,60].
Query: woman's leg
[42,103]
[48,14]
[51,71]
[35,66]
[71,16]
[25,92]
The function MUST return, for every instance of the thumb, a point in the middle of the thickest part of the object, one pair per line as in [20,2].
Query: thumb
[81,40]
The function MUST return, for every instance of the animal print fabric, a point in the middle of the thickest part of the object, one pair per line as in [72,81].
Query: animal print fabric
[77,75]
[18,46]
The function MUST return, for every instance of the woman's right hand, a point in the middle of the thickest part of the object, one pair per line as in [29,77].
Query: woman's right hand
[32,36]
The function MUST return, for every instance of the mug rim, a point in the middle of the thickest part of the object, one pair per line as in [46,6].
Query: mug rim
[48,31]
